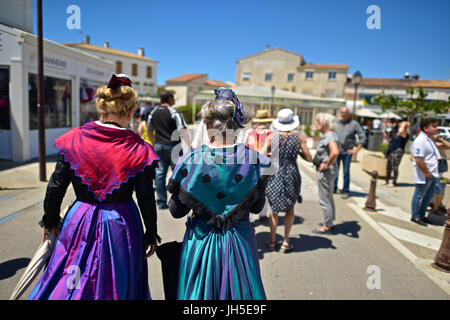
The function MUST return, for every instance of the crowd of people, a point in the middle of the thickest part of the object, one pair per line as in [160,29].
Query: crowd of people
[222,182]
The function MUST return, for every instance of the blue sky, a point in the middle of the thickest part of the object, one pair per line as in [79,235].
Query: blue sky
[196,36]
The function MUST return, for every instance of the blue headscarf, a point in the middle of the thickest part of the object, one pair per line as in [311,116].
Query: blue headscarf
[229,95]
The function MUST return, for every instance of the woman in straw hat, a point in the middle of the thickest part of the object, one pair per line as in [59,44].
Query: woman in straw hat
[258,139]
[283,188]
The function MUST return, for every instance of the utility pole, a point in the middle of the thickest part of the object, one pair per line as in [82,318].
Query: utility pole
[40,95]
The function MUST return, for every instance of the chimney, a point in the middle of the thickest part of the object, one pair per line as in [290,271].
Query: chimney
[141,51]
[415,77]
[106,45]
[406,77]
[87,39]
[267,47]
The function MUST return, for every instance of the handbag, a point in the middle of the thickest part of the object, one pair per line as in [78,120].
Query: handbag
[442,163]
[169,254]
[317,161]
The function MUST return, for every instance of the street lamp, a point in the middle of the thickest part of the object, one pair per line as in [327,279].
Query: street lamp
[271,100]
[356,81]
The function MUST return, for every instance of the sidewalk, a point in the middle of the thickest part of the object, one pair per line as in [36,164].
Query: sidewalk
[24,175]
[419,244]
[400,196]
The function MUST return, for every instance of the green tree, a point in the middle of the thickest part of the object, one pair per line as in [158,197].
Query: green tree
[414,106]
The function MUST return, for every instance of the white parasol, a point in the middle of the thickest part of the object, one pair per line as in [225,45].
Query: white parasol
[38,261]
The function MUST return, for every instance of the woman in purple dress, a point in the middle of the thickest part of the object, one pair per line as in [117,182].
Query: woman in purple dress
[101,248]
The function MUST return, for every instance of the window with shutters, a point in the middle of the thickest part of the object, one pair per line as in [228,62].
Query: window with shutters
[118,66]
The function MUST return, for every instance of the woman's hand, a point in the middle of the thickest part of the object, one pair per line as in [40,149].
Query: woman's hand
[47,232]
[152,250]
[323,166]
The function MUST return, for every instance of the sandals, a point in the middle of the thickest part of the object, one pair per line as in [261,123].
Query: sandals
[287,248]
[328,231]
[272,245]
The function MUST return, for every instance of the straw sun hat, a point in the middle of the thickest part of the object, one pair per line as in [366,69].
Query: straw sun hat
[262,116]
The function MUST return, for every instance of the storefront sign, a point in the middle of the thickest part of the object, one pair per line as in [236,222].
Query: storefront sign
[55,63]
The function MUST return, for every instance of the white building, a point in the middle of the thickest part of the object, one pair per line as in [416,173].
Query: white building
[140,69]
[256,97]
[71,77]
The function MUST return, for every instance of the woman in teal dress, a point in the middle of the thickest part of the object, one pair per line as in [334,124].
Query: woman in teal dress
[221,184]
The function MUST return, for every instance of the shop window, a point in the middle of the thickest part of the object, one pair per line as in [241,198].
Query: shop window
[88,108]
[4,99]
[149,72]
[134,70]
[118,66]
[57,106]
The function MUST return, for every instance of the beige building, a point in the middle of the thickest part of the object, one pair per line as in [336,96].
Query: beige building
[140,69]
[187,85]
[289,71]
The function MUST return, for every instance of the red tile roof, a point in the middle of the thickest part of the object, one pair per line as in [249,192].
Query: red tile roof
[217,83]
[187,77]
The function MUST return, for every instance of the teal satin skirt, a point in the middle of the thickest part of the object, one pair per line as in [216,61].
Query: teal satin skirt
[219,264]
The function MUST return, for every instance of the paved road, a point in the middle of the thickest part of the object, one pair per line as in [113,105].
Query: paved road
[321,267]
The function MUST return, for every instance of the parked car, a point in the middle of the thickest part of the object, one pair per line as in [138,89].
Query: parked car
[444,132]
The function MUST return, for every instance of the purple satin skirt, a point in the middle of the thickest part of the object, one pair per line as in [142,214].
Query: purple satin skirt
[99,255]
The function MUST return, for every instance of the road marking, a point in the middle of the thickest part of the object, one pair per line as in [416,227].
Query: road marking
[9,196]
[392,212]
[413,237]
[437,277]
[9,218]
[12,216]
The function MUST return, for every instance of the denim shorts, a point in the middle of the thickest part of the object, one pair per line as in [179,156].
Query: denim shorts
[438,189]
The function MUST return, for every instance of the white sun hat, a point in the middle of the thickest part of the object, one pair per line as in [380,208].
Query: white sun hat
[286,121]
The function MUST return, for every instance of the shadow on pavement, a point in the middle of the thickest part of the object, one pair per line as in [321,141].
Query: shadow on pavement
[301,244]
[437,219]
[357,194]
[348,228]
[9,268]
[403,184]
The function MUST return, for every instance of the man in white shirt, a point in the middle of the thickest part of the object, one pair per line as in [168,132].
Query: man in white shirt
[425,169]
